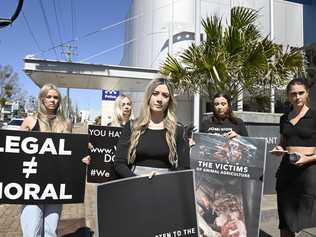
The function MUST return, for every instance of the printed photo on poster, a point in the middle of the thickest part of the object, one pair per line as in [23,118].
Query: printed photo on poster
[229,184]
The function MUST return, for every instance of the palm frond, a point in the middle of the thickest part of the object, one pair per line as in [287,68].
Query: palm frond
[213,28]
[242,17]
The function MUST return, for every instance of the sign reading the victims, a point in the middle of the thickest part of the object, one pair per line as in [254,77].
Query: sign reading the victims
[229,186]
[41,167]
[158,207]
[104,140]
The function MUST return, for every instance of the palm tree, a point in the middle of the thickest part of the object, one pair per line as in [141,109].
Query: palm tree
[232,59]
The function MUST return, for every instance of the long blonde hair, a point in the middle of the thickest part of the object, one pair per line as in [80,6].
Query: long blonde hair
[117,120]
[51,123]
[169,121]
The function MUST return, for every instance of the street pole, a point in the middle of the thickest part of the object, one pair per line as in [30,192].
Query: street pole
[272,95]
[196,99]
[69,53]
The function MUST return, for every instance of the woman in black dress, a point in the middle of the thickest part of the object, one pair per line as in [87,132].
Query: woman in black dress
[155,142]
[223,121]
[296,176]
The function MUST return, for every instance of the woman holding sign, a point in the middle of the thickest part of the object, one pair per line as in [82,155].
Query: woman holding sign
[223,121]
[49,118]
[155,143]
[296,176]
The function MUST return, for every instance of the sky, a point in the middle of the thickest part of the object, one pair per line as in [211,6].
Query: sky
[65,20]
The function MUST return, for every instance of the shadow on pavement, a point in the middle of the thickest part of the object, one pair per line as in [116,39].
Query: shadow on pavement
[81,232]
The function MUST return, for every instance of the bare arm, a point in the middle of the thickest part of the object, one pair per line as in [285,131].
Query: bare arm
[69,126]
[28,124]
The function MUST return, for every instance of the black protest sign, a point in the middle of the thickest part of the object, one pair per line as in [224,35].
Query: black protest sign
[41,167]
[271,133]
[104,140]
[229,186]
[142,207]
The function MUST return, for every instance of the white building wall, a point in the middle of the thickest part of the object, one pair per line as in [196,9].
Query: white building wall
[151,30]
[288,23]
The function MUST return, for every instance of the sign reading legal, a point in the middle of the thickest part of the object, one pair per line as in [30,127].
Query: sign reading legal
[41,167]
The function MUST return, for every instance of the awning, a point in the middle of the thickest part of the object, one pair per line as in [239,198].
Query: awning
[87,76]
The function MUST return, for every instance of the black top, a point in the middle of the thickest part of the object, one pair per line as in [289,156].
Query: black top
[128,123]
[221,127]
[152,151]
[303,133]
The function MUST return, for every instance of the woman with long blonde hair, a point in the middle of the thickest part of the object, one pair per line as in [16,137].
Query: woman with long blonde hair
[155,142]
[49,118]
[122,111]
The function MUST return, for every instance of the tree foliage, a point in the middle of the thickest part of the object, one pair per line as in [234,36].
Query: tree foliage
[9,88]
[232,58]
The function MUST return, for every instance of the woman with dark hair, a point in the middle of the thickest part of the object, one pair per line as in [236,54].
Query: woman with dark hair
[296,176]
[155,143]
[223,121]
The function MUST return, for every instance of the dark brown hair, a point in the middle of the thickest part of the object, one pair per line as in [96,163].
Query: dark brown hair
[229,115]
[297,81]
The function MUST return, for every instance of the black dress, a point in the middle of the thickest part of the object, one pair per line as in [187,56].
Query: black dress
[296,186]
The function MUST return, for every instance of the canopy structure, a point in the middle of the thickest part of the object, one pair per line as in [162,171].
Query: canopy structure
[87,76]
[97,76]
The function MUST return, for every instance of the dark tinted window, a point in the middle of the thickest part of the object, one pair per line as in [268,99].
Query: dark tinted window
[15,122]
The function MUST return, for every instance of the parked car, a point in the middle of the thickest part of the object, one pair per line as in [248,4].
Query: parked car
[14,124]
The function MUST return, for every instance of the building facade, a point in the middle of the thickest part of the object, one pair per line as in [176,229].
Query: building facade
[152,23]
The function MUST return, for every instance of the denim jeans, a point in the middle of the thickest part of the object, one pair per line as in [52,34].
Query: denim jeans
[40,220]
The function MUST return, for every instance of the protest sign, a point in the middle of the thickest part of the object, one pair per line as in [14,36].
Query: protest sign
[229,174]
[104,140]
[39,167]
[163,206]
